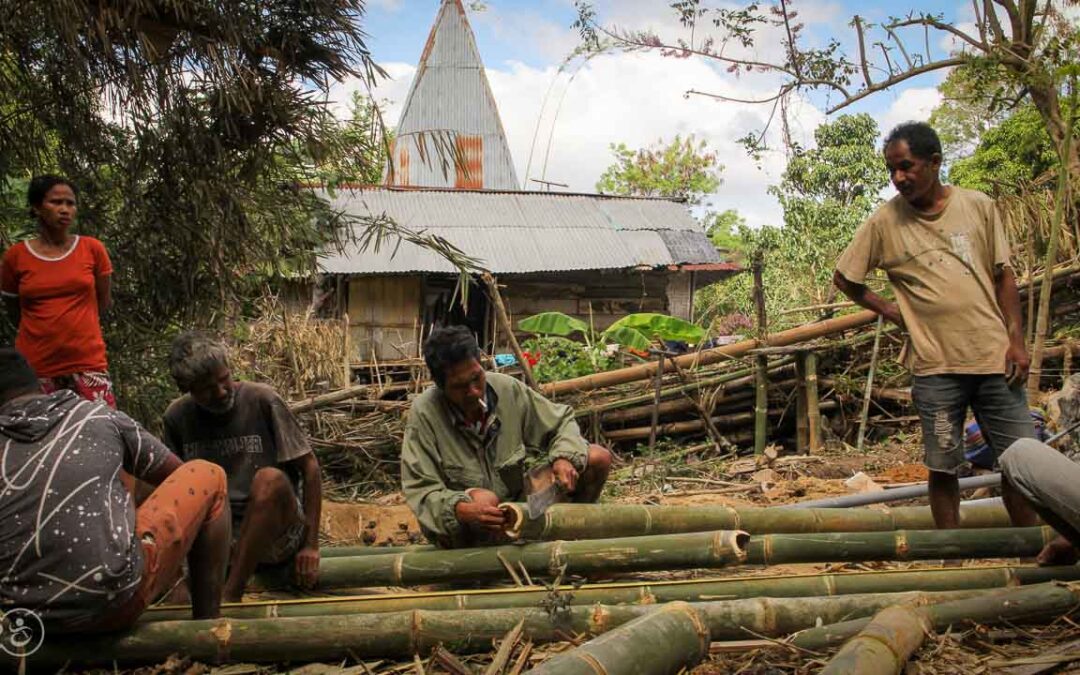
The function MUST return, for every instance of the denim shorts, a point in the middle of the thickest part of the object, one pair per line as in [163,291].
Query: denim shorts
[942,402]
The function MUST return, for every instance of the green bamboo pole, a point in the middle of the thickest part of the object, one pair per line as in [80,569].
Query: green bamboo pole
[772,549]
[586,521]
[732,381]
[761,403]
[813,406]
[402,634]
[884,646]
[690,550]
[1032,603]
[665,642]
[645,592]
[350,551]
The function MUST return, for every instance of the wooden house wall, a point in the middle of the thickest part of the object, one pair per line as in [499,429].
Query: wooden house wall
[607,295]
[384,317]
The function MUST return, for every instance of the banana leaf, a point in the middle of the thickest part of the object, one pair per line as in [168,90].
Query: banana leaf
[627,337]
[553,323]
[660,326]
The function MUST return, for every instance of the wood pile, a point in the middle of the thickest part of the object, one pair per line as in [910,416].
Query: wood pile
[719,395]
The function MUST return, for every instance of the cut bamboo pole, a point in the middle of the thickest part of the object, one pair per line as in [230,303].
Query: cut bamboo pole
[690,550]
[865,413]
[718,440]
[772,549]
[645,592]
[709,356]
[728,382]
[884,646]
[813,404]
[761,403]
[693,550]
[1033,603]
[656,401]
[675,428]
[664,642]
[508,328]
[403,634]
[1042,323]
[588,521]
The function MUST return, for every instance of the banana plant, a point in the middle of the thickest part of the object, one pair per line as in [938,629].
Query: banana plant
[636,331]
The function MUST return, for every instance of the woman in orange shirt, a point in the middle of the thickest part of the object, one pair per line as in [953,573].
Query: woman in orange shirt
[55,287]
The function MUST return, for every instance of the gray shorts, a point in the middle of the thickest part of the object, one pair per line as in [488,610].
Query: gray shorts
[942,402]
[1049,480]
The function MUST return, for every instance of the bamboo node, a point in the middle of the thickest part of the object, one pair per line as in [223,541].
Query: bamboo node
[901,545]
[598,619]
[593,664]
[222,634]
[399,564]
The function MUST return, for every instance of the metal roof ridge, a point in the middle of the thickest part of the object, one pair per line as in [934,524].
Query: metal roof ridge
[493,191]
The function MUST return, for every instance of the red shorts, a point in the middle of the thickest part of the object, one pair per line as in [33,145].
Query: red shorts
[167,524]
[92,386]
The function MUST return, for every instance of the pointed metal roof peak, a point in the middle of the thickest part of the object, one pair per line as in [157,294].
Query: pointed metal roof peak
[450,134]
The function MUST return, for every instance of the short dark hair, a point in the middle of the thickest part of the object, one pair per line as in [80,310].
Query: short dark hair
[40,186]
[921,139]
[446,347]
[196,354]
[16,375]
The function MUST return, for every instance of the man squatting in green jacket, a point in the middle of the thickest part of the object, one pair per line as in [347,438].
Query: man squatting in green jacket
[477,439]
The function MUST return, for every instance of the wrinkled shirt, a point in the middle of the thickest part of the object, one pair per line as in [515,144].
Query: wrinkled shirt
[68,548]
[441,457]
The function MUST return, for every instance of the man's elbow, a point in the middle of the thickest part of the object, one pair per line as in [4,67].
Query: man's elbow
[841,283]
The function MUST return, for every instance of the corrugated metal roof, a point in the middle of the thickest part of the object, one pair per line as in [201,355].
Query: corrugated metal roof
[450,104]
[520,232]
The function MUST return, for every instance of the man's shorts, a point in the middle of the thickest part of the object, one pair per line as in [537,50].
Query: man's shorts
[291,539]
[942,402]
[167,524]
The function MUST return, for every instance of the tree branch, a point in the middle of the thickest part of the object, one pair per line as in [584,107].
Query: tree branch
[934,23]
[897,79]
[992,19]
[793,53]
[900,45]
[862,51]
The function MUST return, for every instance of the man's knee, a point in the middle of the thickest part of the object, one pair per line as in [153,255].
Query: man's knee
[270,484]
[1022,458]
[600,459]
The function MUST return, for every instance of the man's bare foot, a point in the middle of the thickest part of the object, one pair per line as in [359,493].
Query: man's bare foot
[1058,552]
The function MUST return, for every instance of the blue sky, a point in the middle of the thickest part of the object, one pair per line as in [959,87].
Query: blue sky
[634,99]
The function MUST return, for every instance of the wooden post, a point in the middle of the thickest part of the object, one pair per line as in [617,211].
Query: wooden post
[656,401]
[761,362]
[813,406]
[508,328]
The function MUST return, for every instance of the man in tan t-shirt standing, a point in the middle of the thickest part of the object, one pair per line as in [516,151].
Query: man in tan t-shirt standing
[945,252]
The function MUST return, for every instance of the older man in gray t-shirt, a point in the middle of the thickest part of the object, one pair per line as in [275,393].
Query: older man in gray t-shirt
[275,487]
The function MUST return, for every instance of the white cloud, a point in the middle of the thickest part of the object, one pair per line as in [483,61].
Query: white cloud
[913,104]
[634,99]
[386,5]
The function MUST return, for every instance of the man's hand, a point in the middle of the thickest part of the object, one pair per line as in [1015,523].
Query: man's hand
[892,313]
[307,566]
[1017,364]
[565,474]
[480,515]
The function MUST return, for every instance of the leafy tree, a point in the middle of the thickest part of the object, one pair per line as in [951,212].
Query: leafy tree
[1009,157]
[969,107]
[826,192]
[685,168]
[723,229]
[190,127]
[1025,43]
